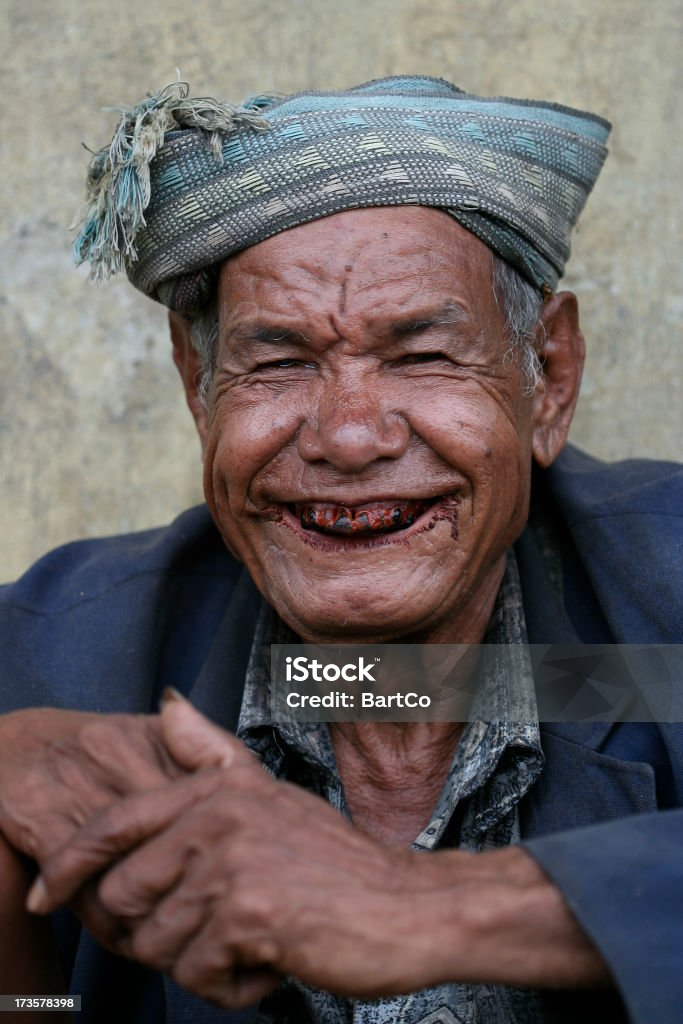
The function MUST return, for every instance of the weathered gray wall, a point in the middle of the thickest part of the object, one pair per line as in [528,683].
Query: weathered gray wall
[95,437]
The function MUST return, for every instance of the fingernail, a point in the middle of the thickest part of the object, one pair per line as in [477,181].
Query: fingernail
[36,901]
[171,695]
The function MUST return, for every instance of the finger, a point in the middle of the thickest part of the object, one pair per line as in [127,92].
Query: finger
[134,886]
[158,939]
[108,930]
[194,741]
[172,883]
[185,863]
[244,987]
[209,968]
[159,936]
[111,833]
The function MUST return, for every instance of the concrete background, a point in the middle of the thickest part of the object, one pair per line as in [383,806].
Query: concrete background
[94,435]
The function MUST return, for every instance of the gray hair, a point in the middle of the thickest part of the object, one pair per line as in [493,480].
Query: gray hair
[204,337]
[520,301]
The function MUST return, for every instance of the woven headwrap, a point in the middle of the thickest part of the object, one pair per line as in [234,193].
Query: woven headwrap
[188,182]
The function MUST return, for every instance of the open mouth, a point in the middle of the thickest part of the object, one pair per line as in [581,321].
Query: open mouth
[370,520]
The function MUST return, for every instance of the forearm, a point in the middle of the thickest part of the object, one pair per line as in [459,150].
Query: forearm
[497,918]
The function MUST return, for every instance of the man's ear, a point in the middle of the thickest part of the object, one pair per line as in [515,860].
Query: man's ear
[189,365]
[562,351]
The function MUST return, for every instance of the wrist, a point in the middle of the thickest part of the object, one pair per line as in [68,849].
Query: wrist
[496,918]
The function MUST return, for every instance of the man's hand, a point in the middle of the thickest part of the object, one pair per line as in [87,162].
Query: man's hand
[255,879]
[58,767]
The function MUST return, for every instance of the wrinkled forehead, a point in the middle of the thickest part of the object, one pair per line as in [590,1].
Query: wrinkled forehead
[366,260]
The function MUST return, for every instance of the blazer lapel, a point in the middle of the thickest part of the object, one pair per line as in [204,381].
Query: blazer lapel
[217,691]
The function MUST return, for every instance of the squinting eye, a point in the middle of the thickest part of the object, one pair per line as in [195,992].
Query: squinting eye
[284,364]
[424,357]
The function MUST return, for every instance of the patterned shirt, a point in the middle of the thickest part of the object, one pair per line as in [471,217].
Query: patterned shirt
[495,763]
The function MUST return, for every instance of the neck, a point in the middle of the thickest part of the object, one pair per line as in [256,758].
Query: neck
[393,773]
[386,747]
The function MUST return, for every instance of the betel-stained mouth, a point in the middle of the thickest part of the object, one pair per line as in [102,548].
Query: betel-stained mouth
[369,520]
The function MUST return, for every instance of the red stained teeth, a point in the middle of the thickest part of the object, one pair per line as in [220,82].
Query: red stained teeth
[342,519]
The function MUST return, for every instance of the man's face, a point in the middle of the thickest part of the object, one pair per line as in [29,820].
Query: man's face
[368,443]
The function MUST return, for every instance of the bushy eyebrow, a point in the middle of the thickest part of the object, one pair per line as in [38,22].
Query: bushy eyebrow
[450,315]
[260,334]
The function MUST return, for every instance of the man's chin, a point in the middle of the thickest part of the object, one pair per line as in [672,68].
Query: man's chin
[352,610]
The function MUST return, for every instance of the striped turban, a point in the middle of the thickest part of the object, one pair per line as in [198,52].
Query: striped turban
[187,182]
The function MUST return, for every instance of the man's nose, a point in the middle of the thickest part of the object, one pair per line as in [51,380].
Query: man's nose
[350,429]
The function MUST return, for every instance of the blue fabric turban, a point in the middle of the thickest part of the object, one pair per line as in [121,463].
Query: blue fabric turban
[187,182]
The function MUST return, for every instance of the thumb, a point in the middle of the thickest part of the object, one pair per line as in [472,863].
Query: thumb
[193,740]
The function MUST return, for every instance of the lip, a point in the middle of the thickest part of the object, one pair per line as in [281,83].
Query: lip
[330,499]
[442,507]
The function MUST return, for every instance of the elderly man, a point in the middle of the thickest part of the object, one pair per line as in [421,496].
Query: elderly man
[364,317]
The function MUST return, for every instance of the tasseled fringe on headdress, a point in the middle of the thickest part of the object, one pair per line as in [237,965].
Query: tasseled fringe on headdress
[118,181]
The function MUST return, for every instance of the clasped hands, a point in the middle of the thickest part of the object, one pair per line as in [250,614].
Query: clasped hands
[177,849]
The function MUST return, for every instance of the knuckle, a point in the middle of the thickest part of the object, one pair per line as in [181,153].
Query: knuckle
[186,974]
[237,855]
[260,950]
[58,869]
[75,861]
[119,897]
[116,825]
[250,903]
[104,825]
[210,960]
[143,946]
[176,917]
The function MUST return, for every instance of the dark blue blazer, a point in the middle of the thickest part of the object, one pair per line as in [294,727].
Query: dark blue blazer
[104,625]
